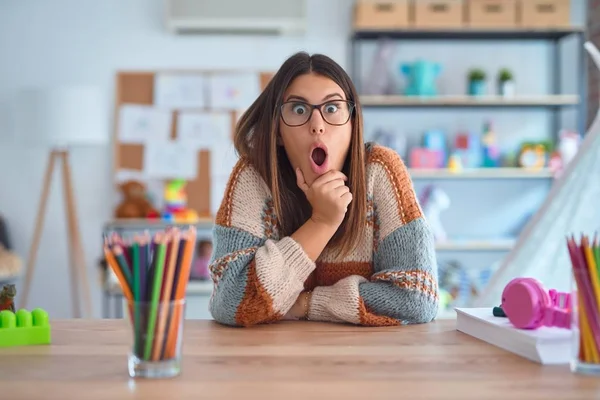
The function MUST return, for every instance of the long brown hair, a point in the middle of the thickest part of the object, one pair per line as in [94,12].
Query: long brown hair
[256,141]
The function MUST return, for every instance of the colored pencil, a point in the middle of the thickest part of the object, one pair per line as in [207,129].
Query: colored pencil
[112,262]
[153,272]
[585,263]
[166,296]
[157,278]
[119,253]
[137,289]
[183,273]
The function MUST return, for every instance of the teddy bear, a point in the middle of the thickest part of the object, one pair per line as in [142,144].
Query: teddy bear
[135,203]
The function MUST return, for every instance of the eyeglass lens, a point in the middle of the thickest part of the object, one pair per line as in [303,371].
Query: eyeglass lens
[335,112]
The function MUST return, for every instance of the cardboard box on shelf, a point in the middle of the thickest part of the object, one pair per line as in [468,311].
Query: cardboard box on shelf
[438,14]
[381,14]
[544,13]
[491,13]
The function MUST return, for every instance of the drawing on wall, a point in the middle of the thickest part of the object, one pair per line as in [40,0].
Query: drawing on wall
[180,90]
[170,159]
[203,130]
[141,124]
[233,91]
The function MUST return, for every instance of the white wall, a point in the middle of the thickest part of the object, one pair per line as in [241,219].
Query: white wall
[75,41]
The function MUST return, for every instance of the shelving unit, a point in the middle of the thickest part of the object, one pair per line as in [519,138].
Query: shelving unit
[481,173]
[476,245]
[550,101]
[553,102]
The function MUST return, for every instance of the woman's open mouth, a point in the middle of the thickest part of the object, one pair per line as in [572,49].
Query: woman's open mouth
[318,159]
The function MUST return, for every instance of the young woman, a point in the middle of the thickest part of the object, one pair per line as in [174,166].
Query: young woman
[315,224]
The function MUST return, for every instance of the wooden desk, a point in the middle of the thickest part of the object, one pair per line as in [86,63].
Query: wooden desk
[292,360]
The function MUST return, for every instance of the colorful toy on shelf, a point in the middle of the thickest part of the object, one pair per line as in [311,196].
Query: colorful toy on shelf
[568,146]
[468,147]
[532,156]
[24,328]
[7,297]
[424,158]
[435,140]
[434,200]
[421,78]
[491,152]
[200,270]
[455,163]
[176,209]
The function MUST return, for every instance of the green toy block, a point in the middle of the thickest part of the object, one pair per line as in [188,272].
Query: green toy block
[24,328]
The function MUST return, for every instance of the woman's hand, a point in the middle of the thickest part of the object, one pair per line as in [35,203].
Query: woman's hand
[328,195]
[300,308]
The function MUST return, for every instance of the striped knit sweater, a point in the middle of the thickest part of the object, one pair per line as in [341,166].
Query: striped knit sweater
[390,279]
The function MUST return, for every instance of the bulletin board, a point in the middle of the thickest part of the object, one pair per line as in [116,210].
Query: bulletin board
[138,88]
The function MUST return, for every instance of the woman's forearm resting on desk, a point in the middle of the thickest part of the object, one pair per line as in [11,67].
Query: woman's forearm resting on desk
[403,288]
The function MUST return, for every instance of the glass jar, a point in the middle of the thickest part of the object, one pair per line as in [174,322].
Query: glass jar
[585,320]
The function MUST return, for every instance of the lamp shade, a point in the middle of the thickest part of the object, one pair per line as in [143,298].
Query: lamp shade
[61,116]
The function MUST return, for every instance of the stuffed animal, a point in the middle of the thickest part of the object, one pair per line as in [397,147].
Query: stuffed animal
[135,203]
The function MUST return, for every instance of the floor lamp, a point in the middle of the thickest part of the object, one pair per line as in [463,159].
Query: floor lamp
[61,119]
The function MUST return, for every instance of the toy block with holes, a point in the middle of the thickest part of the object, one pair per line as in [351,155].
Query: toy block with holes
[24,328]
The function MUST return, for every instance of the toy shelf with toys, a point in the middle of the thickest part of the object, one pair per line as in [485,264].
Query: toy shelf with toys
[481,116]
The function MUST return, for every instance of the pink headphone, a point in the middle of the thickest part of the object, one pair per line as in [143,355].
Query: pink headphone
[528,305]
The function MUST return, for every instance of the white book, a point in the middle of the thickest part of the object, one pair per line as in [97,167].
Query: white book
[543,345]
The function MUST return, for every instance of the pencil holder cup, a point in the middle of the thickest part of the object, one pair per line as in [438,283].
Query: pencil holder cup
[157,339]
[585,328]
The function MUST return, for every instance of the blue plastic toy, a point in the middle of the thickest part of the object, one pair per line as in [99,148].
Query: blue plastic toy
[421,78]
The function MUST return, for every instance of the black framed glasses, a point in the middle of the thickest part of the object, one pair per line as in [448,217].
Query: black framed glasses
[334,112]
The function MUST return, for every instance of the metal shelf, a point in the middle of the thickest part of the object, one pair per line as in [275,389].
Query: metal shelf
[542,101]
[476,245]
[469,34]
[481,173]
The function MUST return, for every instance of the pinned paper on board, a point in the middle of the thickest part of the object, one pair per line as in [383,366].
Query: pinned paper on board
[170,159]
[234,91]
[180,90]
[203,130]
[141,124]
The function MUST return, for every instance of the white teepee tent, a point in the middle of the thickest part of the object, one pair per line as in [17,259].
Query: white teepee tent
[571,207]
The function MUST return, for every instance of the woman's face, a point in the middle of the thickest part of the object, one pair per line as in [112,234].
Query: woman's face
[314,141]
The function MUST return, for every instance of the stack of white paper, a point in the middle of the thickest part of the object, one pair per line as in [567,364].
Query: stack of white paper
[543,345]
